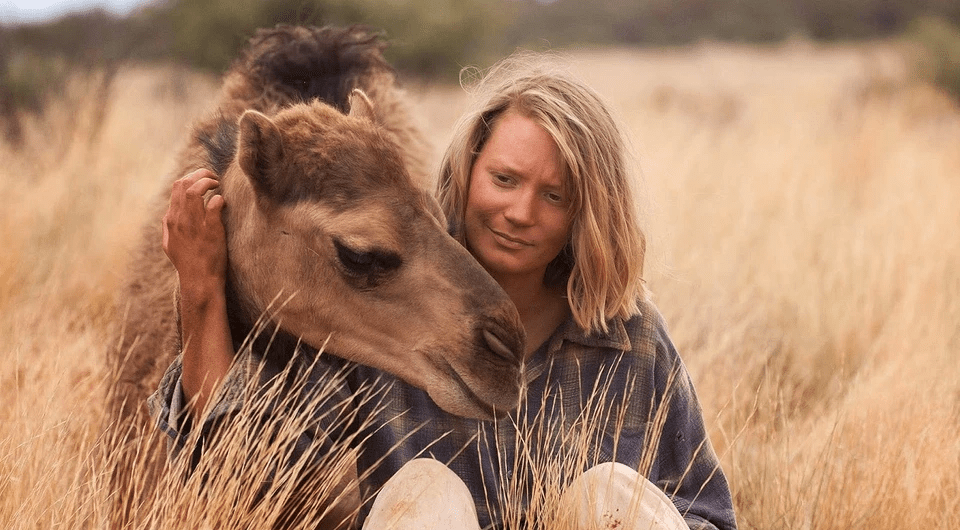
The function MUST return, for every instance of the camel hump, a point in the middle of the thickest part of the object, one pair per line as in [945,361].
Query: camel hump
[295,64]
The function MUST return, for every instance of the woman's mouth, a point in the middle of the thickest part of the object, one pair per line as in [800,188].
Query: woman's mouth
[510,241]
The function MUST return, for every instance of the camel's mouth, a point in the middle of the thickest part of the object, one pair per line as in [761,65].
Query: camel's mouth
[481,409]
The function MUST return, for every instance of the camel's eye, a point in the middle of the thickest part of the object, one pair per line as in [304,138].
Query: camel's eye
[367,266]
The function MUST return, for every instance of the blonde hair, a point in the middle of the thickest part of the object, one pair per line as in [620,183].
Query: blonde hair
[602,264]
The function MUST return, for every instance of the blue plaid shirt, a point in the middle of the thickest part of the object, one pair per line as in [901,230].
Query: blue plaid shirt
[623,396]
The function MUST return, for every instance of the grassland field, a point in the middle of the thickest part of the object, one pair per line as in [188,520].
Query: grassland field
[801,207]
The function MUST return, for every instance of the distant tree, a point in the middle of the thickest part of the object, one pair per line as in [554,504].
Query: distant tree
[940,43]
[430,37]
[437,37]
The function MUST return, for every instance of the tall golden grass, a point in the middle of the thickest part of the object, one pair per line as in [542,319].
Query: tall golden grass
[802,216]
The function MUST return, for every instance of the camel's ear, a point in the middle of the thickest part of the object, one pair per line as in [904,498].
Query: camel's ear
[260,151]
[361,106]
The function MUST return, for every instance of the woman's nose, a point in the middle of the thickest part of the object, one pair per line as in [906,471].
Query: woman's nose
[521,210]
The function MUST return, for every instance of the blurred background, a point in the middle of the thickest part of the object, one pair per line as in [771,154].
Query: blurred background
[40,41]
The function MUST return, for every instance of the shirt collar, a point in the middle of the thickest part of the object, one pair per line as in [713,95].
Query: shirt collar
[615,337]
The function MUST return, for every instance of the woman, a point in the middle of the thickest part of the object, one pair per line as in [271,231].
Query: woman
[535,185]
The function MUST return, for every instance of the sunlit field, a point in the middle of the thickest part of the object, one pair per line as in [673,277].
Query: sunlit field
[802,215]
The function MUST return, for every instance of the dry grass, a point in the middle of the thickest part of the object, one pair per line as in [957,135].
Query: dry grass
[802,216]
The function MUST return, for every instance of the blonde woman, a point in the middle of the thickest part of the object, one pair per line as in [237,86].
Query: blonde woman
[535,185]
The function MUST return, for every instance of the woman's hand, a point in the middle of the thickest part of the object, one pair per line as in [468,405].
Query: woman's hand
[195,241]
[193,235]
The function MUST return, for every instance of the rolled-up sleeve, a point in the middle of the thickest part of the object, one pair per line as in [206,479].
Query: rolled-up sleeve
[167,407]
[168,404]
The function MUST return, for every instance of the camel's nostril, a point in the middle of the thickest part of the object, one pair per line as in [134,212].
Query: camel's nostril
[498,347]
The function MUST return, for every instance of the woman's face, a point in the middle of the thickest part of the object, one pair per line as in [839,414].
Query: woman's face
[517,217]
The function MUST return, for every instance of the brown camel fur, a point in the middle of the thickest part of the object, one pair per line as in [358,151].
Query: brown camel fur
[318,163]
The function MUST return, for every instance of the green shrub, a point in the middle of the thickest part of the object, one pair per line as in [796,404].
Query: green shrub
[940,42]
[27,77]
[435,38]
[427,37]
[36,59]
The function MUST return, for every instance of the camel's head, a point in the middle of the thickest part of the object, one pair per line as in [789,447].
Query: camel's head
[329,236]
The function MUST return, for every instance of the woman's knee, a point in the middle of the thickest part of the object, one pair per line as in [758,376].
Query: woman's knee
[423,494]
[613,495]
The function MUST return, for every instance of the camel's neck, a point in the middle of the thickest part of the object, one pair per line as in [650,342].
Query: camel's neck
[264,338]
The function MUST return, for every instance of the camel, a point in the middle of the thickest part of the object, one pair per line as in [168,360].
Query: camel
[319,164]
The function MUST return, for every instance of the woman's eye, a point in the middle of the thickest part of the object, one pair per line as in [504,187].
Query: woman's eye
[502,180]
[555,198]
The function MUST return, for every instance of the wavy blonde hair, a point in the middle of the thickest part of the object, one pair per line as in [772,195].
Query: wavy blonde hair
[602,264]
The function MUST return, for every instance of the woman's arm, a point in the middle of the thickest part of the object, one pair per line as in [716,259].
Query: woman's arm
[195,242]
